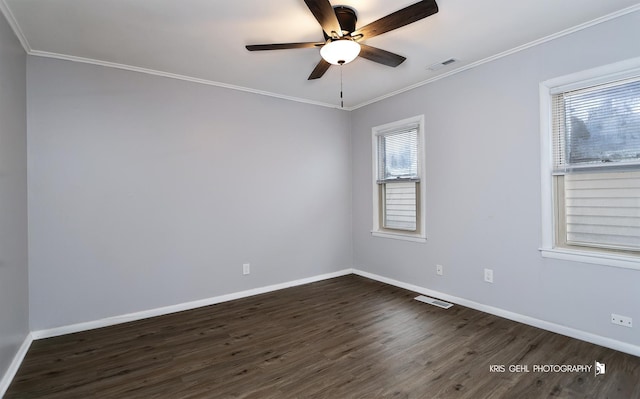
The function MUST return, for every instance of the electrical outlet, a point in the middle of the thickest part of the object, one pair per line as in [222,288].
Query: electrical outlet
[620,320]
[439,270]
[246,268]
[488,275]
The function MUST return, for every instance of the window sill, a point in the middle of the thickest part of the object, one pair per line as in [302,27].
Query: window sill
[399,236]
[625,262]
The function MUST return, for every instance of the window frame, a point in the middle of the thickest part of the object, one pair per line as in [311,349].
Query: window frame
[549,249]
[378,230]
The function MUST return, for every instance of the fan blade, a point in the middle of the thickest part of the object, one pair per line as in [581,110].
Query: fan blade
[380,56]
[406,16]
[326,16]
[282,46]
[319,70]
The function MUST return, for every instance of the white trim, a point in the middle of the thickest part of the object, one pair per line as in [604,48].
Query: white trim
[595,76]
[546,166]
[13,22]
[178,77]
[15,364]
[596,258]
[377,230]
[545,325]
[23,40]
[503,54]
[399,236]
[556,328]
[110,321]
[599,75]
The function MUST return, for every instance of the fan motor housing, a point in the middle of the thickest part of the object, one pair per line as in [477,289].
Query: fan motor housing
[347,19]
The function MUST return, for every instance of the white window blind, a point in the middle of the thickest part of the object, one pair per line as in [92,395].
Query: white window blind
[398,177]
[603,209]
[398,154]
[400,206]
[597,126]
[596,161]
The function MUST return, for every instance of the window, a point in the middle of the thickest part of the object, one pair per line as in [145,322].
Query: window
[398,196]
[591,131]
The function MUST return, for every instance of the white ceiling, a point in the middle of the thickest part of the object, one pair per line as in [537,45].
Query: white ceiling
[204,39]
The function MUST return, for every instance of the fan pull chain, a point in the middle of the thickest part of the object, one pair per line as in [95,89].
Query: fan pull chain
[341,98]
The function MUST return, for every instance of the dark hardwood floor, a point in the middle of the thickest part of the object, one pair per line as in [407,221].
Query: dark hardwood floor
[347,337]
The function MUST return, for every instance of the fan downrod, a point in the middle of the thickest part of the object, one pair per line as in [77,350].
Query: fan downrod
[347,18]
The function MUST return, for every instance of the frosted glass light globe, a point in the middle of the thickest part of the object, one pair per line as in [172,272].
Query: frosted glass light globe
[341,51]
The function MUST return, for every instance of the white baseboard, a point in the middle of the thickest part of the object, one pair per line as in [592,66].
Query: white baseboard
[145,314]
[15,365]
[545,325]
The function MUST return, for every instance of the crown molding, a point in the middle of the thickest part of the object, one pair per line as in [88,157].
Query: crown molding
[506,53]
[25,44]
[170,75]
[11,19]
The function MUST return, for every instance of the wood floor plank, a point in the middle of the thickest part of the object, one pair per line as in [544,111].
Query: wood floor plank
[347,337]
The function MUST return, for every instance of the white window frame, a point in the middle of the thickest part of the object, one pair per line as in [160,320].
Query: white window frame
[596,76]
[378,231]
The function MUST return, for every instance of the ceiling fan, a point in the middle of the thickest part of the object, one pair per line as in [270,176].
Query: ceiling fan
[343,41]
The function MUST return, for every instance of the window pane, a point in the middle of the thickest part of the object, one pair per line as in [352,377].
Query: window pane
[398,147]
[603,209]
[400,206]
[602,124]
[398,155]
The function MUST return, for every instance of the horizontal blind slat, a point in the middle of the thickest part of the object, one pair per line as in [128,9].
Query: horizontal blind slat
[603,220]
[400,206]
[631,212]
[603,241]
[602,202]
[605,183]
[398,154]
[603,209]
[597,126]
[607,175]
[593,228]
[603,193]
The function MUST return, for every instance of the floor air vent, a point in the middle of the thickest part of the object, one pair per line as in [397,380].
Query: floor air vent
[434,302]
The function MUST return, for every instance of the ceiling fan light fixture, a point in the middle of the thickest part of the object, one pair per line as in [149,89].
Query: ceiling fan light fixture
[341,51]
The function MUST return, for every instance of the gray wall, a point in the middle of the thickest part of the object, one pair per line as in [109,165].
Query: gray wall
[147,192]
[483,189]
[14,307]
